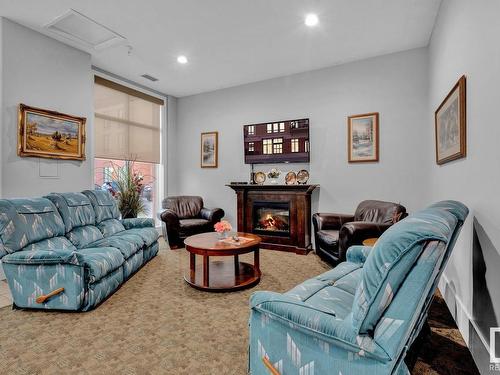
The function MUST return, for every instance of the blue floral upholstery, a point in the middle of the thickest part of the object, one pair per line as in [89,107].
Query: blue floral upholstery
[78,216]
[132,264]
[106,209]
[61,242]
[110,227]
[75,209]
[104,204]
[127,244]
[361,316]
[100,261]
[138,222]
[56,243]
[150,252]
[28,281]
[3,252]
[83,236]
[358,254]
[99,291]
[384,271]
[148,235]
[38,214]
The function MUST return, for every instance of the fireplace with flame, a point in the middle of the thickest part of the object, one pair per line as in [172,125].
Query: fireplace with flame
[271,218]
[279,214]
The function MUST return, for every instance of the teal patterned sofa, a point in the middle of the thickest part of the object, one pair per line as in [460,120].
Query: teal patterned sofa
[74,241]
[362,316]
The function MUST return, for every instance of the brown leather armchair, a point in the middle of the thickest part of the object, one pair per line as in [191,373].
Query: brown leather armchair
[185,216]
[335,233]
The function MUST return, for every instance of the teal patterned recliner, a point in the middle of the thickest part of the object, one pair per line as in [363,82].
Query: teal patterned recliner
[362,316]
[73,241]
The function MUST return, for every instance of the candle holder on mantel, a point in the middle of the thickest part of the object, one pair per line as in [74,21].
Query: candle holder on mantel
[252,175]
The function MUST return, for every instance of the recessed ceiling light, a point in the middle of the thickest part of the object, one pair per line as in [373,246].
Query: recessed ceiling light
[182,59]
[311,20]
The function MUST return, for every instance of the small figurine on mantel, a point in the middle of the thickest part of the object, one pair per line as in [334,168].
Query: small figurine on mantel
[273,175]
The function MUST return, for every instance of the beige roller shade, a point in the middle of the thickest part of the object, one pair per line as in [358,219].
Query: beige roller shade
[127,123]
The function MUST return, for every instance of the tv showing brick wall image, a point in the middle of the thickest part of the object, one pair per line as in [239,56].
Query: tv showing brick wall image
[277,142]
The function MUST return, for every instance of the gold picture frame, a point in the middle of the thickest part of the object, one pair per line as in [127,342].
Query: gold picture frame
[363,138]
[49,134]
[450,125]
[209,150]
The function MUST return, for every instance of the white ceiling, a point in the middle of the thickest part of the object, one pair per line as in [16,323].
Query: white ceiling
[232,42]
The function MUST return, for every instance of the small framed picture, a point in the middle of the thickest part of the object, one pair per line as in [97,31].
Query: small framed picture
[362,133]
[209,150]
[49,134]
[449,121]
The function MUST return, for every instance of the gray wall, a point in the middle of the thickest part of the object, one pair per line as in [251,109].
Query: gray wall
[465,41]
[41,72]
[171,151]
[394,85]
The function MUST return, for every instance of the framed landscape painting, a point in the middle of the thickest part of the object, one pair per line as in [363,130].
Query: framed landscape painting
[449,121]
[48,134]
[362,133]
[209,150]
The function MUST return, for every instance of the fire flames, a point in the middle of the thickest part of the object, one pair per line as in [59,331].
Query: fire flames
[273,223]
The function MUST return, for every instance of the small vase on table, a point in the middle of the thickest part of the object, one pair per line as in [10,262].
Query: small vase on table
[222,228]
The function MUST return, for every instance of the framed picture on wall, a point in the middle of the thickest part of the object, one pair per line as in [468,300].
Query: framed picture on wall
[49,134]
[449,122]
[362,137]
[209,150]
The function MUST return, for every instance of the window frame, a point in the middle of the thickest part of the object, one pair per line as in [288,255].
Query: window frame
[277,145]
[267,145]
[161,168]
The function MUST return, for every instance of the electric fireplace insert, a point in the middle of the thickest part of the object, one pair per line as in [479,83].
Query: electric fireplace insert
[271,218]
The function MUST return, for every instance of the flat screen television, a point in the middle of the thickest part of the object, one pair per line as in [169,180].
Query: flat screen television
[277,142]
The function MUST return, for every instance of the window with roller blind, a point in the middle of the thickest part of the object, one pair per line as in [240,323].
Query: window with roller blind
[127,126]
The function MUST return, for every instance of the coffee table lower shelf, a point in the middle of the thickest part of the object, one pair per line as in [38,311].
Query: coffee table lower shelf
[224,276]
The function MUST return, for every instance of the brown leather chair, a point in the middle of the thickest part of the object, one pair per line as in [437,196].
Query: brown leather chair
[185,216]
[335,233]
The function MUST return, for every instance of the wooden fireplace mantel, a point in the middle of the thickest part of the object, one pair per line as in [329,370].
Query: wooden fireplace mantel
[298,198]
[296,188]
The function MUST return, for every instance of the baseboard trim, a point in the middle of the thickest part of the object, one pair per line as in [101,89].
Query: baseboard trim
[443,283]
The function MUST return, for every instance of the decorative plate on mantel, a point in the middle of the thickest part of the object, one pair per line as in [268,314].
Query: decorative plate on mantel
[302,176]
[291,178]
[260,178]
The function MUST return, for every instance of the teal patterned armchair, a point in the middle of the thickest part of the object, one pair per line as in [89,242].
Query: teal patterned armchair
[362,316]
[70,251]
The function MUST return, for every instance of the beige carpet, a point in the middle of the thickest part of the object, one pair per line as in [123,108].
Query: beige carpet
[155,324]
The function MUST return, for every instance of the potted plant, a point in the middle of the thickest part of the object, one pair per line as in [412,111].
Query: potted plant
[127,189]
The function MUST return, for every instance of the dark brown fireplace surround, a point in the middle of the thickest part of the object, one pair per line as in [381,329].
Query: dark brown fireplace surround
[279,214]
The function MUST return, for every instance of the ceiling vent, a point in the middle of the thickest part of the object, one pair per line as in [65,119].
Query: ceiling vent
[151,78]
[84,31]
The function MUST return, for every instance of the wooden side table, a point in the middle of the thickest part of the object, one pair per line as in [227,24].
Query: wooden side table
[370,241]
[221,276]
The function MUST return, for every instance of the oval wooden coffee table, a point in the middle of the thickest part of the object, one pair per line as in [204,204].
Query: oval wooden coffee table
[221,276]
